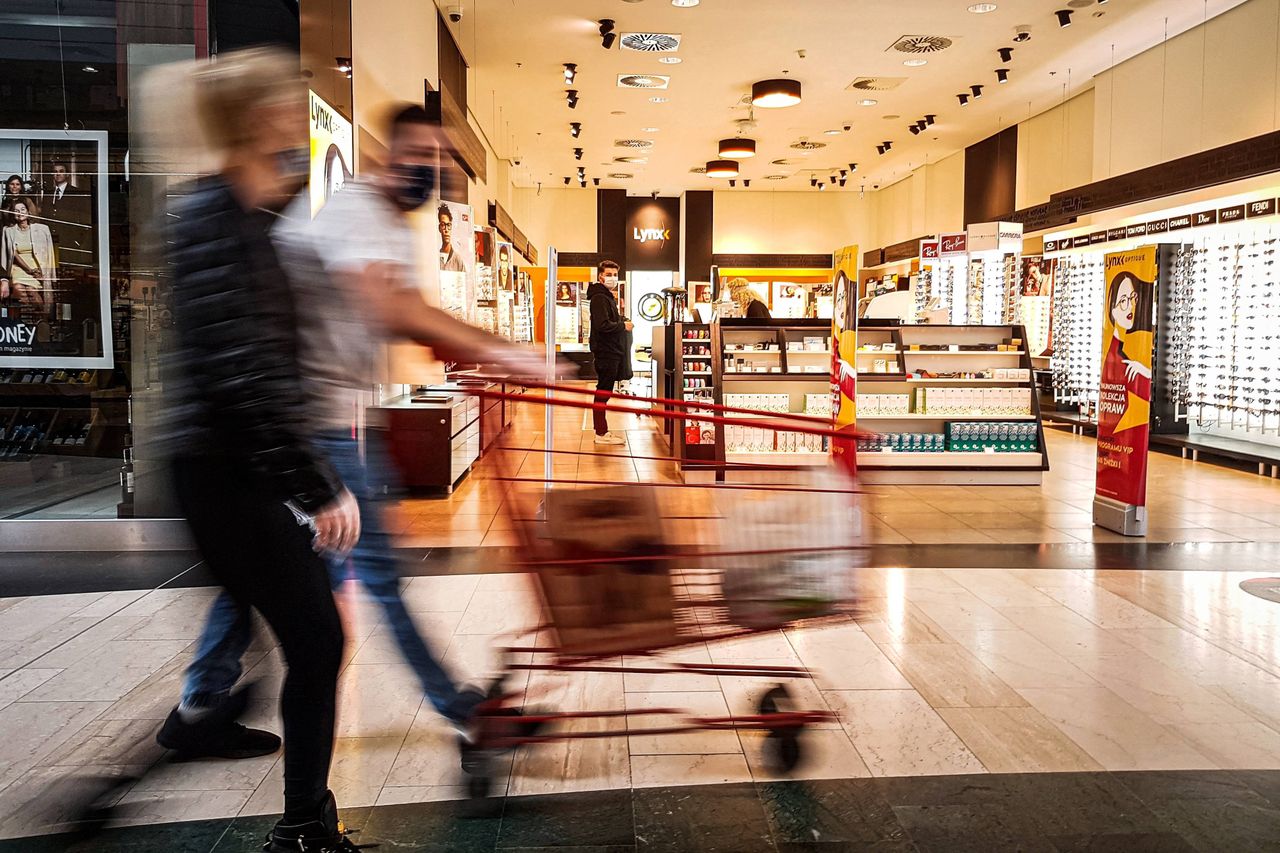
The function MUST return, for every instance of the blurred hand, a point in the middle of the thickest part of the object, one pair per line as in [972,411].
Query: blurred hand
[4,289]
[338,525]
[630,325]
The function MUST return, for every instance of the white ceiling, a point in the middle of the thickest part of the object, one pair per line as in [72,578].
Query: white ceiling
[517,49]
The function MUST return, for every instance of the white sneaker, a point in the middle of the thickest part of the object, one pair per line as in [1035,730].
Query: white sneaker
[610,438]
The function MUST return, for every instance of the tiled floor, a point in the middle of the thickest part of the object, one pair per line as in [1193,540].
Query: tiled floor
[974,708]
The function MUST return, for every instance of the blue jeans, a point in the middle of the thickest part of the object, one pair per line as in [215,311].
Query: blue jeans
[228,630]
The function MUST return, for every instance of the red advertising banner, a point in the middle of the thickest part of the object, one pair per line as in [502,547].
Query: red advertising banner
[1124,403]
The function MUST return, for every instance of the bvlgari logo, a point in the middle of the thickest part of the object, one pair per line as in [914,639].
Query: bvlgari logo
[655,235]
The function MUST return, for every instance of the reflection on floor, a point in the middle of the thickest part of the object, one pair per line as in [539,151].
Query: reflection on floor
[962,671]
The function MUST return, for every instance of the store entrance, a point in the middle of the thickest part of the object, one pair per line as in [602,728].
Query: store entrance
[646,310]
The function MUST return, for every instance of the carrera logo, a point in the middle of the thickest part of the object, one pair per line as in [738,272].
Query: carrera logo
[656,235]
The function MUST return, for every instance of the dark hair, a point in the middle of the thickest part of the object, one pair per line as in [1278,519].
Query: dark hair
[58,161]
[7,216]
[409,115]
[17,178]
[1144,302]
[504,249]
[606,265]
[444,210]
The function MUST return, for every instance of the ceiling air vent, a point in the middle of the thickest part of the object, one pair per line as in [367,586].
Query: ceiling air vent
[698,170]
[788,161]
[633,161]
[621,176]
[775,177]
[633,143]
[643,81]
[651,42]
[806,145]
[921,44]
[877,84]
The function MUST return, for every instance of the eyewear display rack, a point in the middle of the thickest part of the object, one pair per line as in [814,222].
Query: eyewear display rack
[771,366]
[924,417]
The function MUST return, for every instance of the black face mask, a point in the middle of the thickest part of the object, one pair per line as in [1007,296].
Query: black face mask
[413,185]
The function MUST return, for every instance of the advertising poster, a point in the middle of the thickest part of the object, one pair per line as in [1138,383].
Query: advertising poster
[1124,403]
[332,151]
[568,320]
[55,286]
[457,259]
[789,300]
[844,336]
[489,307]
[1039,276]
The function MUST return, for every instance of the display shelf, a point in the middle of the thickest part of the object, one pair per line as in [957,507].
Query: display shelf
[969,353]
[913,416]
[775,377]
[950,459]
[691,356]
[774,457]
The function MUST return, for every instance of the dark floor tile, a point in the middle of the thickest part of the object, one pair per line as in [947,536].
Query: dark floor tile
[249,832]
[986,788]
[612,848]
[718,819]
[1264,782]
[1080,803]
[851,811]
[1156,785]
[903,846]
[1242,823]
[1123,842]
[593,818]
[446,827]
[195,837]
[971,829]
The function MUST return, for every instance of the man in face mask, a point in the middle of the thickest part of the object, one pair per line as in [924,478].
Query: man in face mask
[354,275]
[608,344]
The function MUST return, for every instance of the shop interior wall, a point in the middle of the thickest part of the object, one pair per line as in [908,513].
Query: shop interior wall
[1212,85]
[1055,150]
[561,217]
[753,222]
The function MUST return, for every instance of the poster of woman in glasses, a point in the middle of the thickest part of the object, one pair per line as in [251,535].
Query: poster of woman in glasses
[1124,402]
[55,307]
[1039,276]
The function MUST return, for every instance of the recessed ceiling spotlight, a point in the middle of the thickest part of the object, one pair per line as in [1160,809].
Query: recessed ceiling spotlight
[595,181]
[1006,54]
[633,161]
[567,180]
[658,99]
[853,167]
[670,60]
[1002,75]
[1064,17]
[344,65]
[607,34]
[1022,33]
[732,182]
[775,94]
[868,102]
[963,99]
[577,153]
[575,128]
[983,8]
[685,4]
[915,63]
[746,182]
[930,119]
[571,98]
[570,73]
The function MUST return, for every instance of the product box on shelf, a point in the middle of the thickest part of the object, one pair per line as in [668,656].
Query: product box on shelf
[992,436]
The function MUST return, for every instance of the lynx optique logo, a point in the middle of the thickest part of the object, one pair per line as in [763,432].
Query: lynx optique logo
[652,235]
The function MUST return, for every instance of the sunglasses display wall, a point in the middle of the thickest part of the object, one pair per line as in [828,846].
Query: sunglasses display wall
[1076,364]
[975,290]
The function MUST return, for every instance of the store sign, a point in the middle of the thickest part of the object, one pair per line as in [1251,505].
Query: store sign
[1114,234]
[1124,402]
[1266,207]
[1132,231]
[995,237]
[929,250]
[1097,237]
[1051,245]
[950,245]
[1204,217]
[653,241]
[57,312]
[1160,226]
[1231,214]
[332,151]
[1178,223]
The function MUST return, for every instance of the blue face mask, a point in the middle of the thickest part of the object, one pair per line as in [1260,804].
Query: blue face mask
[414,185]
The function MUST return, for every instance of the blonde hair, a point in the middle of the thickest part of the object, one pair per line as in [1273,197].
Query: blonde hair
[228,88]
[741,293]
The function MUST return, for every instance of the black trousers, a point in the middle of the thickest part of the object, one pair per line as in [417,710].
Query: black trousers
[255,547]
[607,368]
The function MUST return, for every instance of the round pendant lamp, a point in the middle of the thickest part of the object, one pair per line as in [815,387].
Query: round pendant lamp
[732,148]
[722,169]
[774,94]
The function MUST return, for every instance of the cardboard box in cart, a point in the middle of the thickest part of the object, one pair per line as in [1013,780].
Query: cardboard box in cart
[603,607]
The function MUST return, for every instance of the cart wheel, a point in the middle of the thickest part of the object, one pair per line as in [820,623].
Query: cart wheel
[782,751]
[479,786]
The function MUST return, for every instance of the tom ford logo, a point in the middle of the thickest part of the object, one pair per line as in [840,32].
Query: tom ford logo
[656,235]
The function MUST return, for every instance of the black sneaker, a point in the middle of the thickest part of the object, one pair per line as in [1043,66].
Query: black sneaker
[326,834]
[217,734]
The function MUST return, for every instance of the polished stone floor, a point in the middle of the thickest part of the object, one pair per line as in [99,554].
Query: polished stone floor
[996,696]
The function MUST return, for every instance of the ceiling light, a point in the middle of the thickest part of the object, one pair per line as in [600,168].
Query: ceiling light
[1021,33]
[915,63]
[853,167]
[567,180]
[344,64]
[821,187]
[643,81]
[570,73]
[775,94]
[834,179]
[575,128]
[843,181]
[963,99]
[868,102]
[746,182]
[1002,75]
[607,34]
[650,129]
[775,177]
[595,181]
[880,149]
[732,182]
[670,60]
[722,169]
[91,70]
[618,113]
[887,145]
[583,183]
[658,99]
[832,132]
[1064,17]
[731,148]
[1006,54]
[813,182]
[915,129]
[930,118]
[982,8]
[1102,2]
[977,91]
[571,98]
[577,153]
[685,4]
[891,117]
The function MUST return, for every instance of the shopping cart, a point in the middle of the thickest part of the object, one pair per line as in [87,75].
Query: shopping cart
[623,571]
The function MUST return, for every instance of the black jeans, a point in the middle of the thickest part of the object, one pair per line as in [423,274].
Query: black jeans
[607,368]
[255,547]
